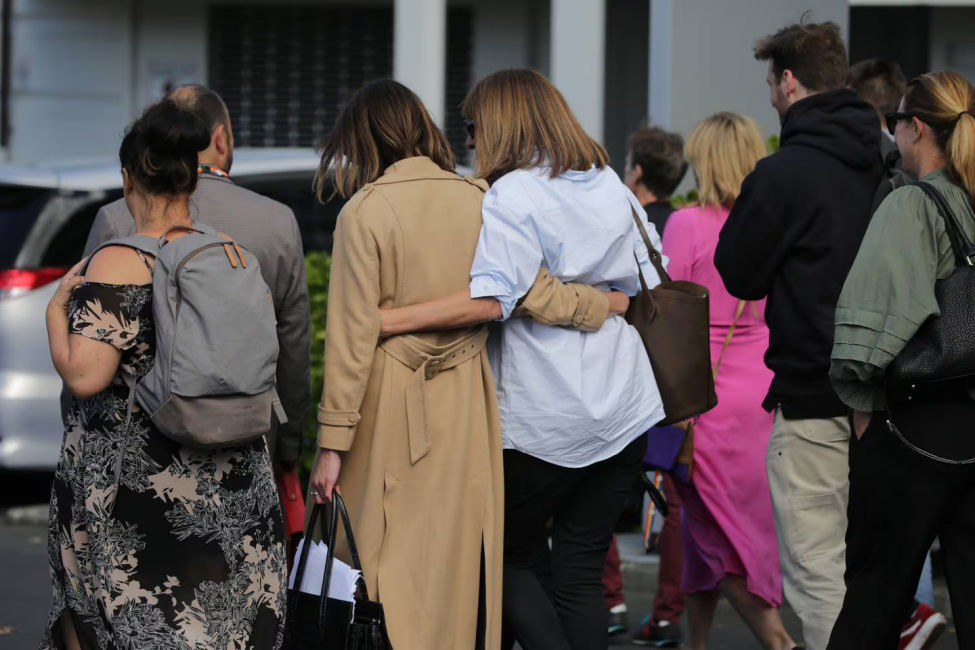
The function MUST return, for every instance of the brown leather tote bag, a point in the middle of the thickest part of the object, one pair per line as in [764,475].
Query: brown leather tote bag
[673,321]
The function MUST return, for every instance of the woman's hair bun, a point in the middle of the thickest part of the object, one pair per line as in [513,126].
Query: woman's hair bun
[159,150]
[169,130]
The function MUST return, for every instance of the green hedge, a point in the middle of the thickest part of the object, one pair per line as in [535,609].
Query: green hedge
[317,265]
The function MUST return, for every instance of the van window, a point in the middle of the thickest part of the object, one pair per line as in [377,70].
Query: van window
[316,221]
[68,245]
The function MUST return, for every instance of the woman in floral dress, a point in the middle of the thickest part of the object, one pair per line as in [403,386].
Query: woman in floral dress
[151,545]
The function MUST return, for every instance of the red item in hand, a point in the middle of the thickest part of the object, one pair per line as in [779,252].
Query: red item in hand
[292,501]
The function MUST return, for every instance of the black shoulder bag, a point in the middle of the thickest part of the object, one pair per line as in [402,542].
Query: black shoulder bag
[316,622]
[936,368]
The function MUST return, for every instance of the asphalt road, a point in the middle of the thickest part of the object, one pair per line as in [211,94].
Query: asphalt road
[25,590]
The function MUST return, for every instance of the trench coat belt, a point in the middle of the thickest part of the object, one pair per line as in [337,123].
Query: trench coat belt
[427,361]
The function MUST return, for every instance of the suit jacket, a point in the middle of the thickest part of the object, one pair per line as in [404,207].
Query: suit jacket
[267,229]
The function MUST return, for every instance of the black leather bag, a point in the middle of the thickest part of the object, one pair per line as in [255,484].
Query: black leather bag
[674,323]
[321,623]
[938,363]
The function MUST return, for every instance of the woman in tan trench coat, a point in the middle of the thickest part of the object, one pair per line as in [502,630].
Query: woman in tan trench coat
[411,421]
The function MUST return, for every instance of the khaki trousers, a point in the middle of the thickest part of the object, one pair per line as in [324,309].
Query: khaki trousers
[808,474]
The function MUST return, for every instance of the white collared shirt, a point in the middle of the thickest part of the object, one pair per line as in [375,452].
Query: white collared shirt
[568,397]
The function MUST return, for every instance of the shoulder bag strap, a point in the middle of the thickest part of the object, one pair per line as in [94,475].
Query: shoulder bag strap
[727,339]
[655,258]
[139,243]
[960,243]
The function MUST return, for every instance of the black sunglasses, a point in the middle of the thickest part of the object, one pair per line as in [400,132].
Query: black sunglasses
[893,118]
[469,125]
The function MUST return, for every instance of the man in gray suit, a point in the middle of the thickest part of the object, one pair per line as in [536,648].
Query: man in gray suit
[267,229]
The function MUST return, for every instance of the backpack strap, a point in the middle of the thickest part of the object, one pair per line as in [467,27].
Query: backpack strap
[201,228]
[141,243]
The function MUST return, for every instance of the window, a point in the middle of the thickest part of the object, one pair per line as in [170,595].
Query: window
[286,70]
[315,220]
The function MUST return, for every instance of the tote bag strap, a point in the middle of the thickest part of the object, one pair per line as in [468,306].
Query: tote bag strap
[655,258]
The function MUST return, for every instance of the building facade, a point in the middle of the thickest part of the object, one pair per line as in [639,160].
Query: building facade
[75,73]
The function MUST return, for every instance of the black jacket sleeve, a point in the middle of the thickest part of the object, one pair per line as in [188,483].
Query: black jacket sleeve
[753,241]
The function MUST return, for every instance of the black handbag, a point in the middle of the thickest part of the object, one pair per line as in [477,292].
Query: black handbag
[319,622]
[937,366]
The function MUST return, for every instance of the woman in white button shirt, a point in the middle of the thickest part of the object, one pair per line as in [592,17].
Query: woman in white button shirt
[574,405]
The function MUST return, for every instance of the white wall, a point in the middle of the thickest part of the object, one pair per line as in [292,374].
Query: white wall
[509,34]
[171,47]
[701,56]
[82,71]
[71,77]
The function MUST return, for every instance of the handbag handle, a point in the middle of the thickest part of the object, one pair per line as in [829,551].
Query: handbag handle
[655,257]
[960,243]
[316,514]
[338,509]
[328,532]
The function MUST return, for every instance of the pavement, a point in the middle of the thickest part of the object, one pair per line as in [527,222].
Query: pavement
[25,589]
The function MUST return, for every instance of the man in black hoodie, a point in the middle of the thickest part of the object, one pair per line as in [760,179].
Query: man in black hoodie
[792,236]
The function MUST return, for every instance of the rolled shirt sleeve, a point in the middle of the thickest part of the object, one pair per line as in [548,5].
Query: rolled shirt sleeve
[508,254]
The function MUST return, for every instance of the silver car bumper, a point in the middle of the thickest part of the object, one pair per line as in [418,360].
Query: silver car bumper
[30,389]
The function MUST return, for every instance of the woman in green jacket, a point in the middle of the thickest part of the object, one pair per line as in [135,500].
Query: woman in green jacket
[900,500]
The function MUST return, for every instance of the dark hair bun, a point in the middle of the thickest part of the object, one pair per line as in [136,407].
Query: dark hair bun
[159,149]
[171,131]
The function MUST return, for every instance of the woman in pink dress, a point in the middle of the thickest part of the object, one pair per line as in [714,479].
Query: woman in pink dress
[727,527]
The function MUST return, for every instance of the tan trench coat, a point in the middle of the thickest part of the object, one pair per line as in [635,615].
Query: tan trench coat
[417,413]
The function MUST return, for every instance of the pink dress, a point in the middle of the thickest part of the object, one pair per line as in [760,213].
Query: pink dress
[727,523]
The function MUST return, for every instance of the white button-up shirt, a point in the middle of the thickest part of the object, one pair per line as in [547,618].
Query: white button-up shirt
[568,397]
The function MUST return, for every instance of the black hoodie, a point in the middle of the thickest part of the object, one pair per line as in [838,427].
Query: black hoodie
[793,234]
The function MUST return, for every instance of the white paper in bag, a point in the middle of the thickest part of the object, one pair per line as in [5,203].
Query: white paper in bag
[344,577]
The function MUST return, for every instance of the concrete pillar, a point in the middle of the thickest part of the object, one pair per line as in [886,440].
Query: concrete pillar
[420,50]
[578,58]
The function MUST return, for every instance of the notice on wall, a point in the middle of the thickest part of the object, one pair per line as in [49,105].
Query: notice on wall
[163,76]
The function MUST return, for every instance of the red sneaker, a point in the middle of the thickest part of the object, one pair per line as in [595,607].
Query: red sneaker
[924,628]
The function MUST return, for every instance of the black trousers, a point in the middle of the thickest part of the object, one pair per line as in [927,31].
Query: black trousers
[553,598]
[899,502]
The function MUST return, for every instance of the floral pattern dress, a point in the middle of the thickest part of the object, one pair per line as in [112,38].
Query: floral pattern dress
[153,545]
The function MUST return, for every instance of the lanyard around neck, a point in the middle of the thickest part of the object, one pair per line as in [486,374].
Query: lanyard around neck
[212,170]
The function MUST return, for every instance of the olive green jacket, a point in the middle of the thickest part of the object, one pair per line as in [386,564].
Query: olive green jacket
[889,292]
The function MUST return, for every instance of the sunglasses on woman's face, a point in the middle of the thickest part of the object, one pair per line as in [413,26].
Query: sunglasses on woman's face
[469,125]
[893,118]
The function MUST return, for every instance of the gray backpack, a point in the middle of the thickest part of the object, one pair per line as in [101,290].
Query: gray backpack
[212,384]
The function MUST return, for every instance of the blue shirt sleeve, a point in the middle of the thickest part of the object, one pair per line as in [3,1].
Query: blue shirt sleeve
[508,253]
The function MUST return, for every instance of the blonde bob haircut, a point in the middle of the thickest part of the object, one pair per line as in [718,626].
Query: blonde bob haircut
[521,120]
[723,150]
[382,123]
